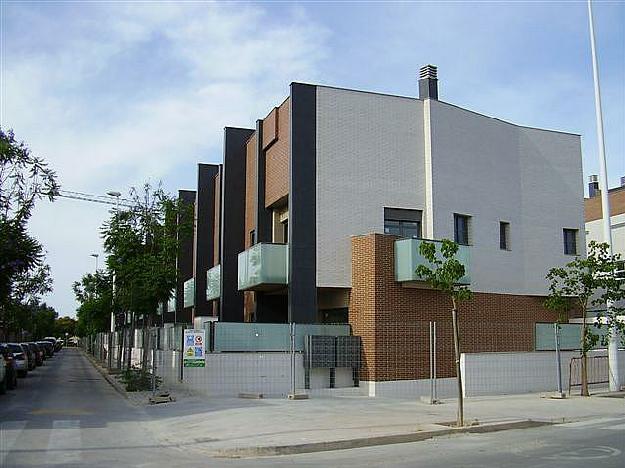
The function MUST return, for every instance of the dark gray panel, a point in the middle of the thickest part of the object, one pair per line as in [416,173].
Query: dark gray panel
[184,263]
[204,234]
[232,221]
[302,204]
[319,351]
[348,351]
[263,215]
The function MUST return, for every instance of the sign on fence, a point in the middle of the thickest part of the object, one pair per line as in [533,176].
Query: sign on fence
[193,348]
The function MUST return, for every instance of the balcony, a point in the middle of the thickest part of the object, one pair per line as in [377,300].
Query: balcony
[213,283]
[408,258]
[263,267]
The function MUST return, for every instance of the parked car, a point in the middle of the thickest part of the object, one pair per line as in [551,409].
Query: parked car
[11,372]
[47,346]
[3,376]
[20,358]
[31,356]
[34,347]
[56,343]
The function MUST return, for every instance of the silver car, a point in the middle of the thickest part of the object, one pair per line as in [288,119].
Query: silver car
[20,357]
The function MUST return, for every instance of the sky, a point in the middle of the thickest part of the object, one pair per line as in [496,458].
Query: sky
[112,94]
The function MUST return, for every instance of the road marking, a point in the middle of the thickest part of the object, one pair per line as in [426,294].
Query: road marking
[591,422]
[9,432]
[64,443]
[587,453]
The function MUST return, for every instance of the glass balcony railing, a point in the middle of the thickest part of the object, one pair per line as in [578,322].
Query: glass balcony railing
[408,258]
[189,293]
[213,283]
[263,266]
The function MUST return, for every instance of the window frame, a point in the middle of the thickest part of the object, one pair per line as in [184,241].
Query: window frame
[458,216]
[504,240]
[404,218]
[574,233]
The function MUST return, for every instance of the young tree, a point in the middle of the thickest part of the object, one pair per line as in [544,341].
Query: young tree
[444,274]
[94,294]
[142,243]
[586,282]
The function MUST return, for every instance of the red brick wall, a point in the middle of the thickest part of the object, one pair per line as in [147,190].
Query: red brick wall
[277,155]
[250,188]
[393,320]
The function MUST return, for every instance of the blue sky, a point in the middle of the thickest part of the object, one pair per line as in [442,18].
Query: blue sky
[114,93]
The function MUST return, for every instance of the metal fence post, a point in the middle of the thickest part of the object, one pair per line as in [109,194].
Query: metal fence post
[556,329]
[434,366]
[292,333]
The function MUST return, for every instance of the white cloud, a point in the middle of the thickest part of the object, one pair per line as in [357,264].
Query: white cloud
[70,94]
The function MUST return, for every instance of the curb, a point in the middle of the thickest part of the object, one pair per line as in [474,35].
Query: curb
[249,452]
[112,382]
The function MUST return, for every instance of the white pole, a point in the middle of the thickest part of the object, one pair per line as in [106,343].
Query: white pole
[615,380]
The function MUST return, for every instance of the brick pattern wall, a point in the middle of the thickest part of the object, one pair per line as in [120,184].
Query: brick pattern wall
[277,156]
[393,320]
[592,206]
[250,188]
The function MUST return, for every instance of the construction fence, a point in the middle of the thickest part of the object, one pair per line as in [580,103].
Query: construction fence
[401,360]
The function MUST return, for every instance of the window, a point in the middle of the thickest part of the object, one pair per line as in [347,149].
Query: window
[285,231]
[504,235]
[461,229]
[252,237]
[570,241]
[402,222]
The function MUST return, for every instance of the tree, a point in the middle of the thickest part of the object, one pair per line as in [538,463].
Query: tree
[444,274]
[586,282]
[65,326]
[142,243]
[24,179]
[94,294]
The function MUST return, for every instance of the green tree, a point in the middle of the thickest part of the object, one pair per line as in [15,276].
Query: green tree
[444,274]
[65,326]
[94,294]
[24,179]
[586,282]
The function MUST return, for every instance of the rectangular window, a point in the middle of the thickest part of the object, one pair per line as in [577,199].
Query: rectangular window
[570,241]
[252,237]
[504,235]
[402,222]
[461,229]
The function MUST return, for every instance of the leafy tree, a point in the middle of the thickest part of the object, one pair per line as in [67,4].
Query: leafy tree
[24,179]
[65,326]
[444,274]
[94,293]
[586,282]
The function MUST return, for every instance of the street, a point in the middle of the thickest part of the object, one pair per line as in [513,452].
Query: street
[65,414]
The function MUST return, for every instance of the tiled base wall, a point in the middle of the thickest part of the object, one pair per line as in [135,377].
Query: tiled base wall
[514,373]
[412,389]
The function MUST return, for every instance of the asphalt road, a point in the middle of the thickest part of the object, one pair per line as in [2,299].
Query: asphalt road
[66,415]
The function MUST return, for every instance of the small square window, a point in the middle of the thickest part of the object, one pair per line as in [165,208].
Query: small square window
[570,241]
[461,229]
[504,235]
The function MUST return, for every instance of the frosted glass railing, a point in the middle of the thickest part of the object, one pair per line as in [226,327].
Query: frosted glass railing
[189,293]
[213,283]
[407,258]
[263,264]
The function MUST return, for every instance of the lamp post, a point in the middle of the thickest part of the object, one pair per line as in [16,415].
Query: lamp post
[615,381]
[115,195]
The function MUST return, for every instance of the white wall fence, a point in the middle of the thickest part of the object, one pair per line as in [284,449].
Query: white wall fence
[227,374]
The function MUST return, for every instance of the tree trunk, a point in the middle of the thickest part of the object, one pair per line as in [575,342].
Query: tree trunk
[454,317]
[131,332]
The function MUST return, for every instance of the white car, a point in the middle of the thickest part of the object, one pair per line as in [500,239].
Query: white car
[20,358]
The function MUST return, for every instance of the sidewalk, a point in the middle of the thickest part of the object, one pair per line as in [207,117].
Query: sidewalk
[230,427]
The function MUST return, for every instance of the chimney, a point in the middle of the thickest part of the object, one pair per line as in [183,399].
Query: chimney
[593,185]
[428,83]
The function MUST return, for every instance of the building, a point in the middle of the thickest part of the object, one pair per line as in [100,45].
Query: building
[324,203]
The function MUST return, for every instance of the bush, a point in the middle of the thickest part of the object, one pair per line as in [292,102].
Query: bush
[137,380]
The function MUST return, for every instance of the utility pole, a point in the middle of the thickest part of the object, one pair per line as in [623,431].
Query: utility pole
[615,381]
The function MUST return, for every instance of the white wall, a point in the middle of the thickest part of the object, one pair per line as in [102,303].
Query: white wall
[496,171]
[594,231]
[513,373]
[369,155]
